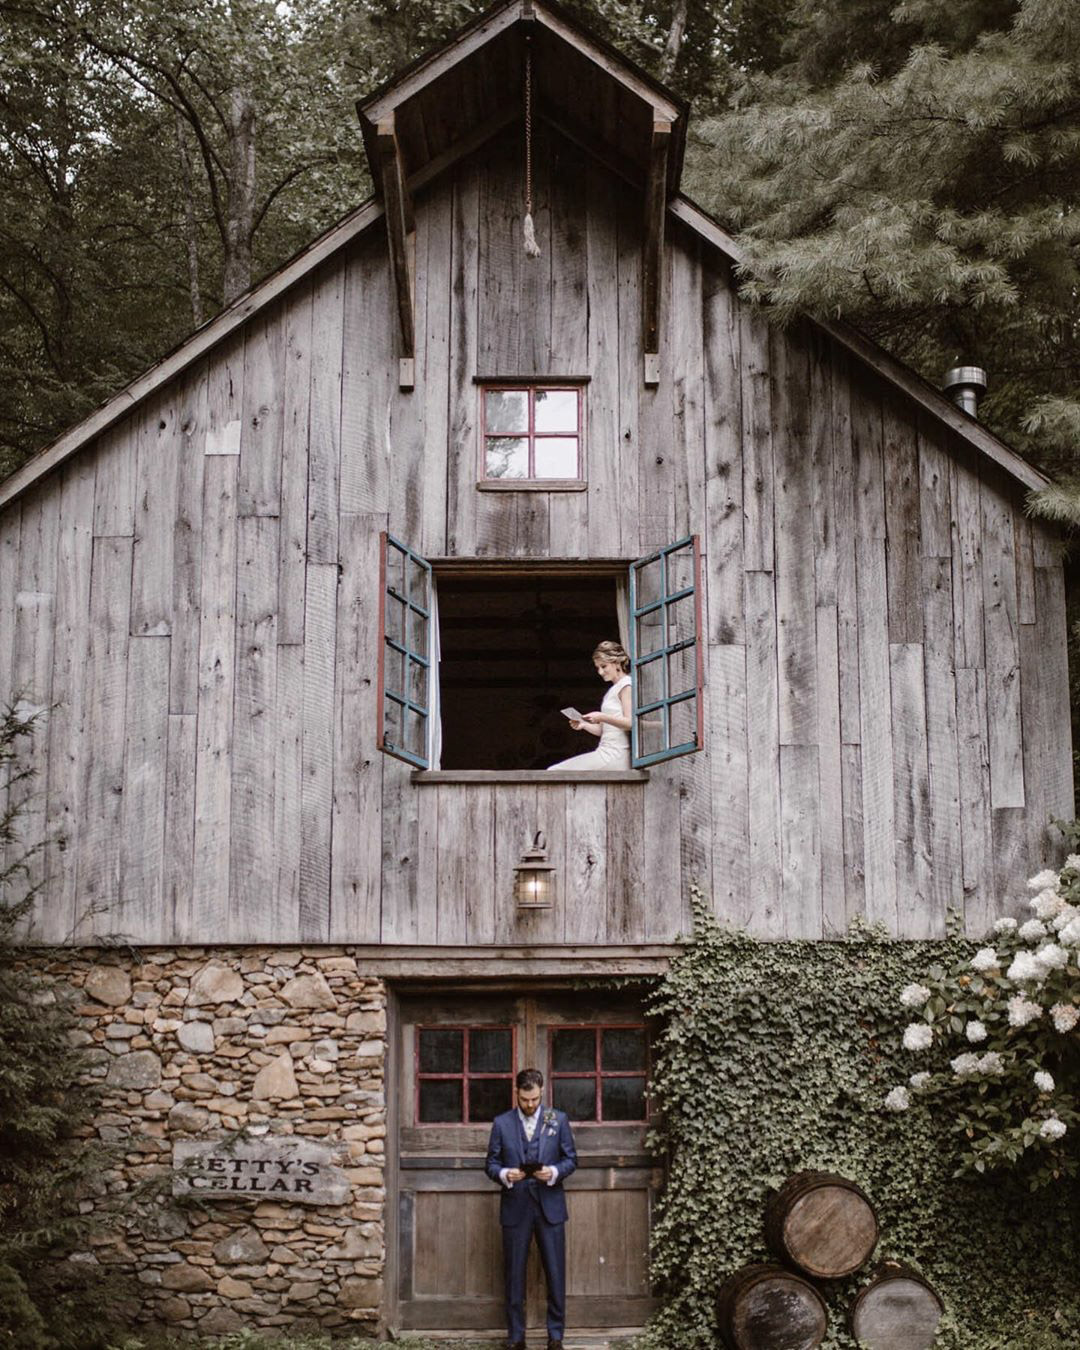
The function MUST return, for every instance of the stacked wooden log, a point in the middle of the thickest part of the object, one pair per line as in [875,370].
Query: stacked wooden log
[823,1226]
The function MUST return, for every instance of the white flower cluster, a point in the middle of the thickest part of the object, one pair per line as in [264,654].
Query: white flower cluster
[1044,1081]
[919,1080]
[1064,917]
[985,959]
[1052,1129]
[1046,880]
[1024,968]
[918,1036]
[1022,1011]
[1065,1016]
[975,1032]
[914,995]
[1070,934]
[1033,930]
[897,1099]
[969,1065]
[1052,957]
[1047,905]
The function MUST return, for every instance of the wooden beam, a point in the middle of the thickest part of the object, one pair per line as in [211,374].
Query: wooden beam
[511,112]
[401,238]
[652,262]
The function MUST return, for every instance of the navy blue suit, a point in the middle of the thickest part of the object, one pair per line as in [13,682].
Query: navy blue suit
[533,1206]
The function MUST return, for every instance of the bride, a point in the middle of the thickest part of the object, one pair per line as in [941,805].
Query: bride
[612,722]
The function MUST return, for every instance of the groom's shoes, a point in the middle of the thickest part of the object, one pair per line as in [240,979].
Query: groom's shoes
[516,1345]
[554,1345]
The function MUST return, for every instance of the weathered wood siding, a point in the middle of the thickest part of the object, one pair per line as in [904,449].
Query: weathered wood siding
[194,601]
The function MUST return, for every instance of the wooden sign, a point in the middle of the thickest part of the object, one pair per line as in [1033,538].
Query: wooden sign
[294,1170]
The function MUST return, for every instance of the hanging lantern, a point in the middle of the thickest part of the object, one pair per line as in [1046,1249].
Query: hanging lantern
[534,877]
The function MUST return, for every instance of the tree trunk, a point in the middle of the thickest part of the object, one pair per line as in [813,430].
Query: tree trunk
[191,237]
[240,203]
[675,38]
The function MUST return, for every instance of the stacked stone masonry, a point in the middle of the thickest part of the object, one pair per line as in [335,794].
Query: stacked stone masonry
[212,1044]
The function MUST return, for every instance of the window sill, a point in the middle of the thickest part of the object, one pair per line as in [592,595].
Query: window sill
[532,485]
[530,776]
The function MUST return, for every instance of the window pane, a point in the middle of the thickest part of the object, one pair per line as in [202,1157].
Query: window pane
[393,669]
[575,1096]
[441,1101]
[556,410]
[683,722]
[418,584]
[490,1051]
[418,633]
[573,1049]
[680,569]
[442,1050]
[648,582]
[418,683]
[507,457]
[649,633]
[681,620]
[415,727]
[507,410]
[392,731]
[395,619]
[682,671]
[623,1098]
[650,733]
[488,1097]
[623,1048]
[556,457]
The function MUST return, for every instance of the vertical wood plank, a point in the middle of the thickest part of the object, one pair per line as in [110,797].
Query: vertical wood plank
[262,433]
[723,458]
[288,786]
[625,897]
[974,762]
[686,339]
[820,354]
[436,387]
[114,481]
[462,449]
[763,754]
[903,570]
[515,825]
[793,499]
[10,531]
[663,878]
[316,794]
[157,452]
[845,533]
[800,841]
[142,847]
[834,910]
[224,424]
[324,420]
[1002,651]
[32,668]
[1045,690]
[253,870]
[179,847]
[355,905]
[187,542]
[450,863]
[935,495]
[400,850]
[1025,569]
[659,438]
[427,866]
[628,243]
[586,863]
[757,493]
[876,730]
[911,810]
[967,566]
[100,823]
[217,673]
[726,693]
[478,840]
[945,838]
[854,834]
[604,443]
[292,524]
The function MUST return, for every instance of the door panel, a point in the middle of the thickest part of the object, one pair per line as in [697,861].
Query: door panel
[450,1243]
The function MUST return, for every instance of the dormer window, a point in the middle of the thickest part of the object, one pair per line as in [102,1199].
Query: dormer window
[532,435]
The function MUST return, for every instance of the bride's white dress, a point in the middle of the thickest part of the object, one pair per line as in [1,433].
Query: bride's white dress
[613,752]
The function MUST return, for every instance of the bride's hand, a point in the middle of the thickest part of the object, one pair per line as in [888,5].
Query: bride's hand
[594,717]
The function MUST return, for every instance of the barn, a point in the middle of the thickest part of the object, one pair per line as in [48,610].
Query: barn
[299,609]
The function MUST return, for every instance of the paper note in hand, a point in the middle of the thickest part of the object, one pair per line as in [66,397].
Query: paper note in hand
[572,714]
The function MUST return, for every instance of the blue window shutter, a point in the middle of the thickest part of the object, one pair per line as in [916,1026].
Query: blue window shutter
[403,700]
[667,656]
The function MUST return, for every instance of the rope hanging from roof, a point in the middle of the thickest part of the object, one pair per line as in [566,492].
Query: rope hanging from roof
[532,248]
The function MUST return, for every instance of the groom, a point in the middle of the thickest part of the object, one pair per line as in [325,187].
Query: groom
[530,1154]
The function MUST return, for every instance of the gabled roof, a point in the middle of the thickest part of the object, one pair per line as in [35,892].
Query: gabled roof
[588,91]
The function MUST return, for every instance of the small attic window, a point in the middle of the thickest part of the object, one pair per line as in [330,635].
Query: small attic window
[532,435]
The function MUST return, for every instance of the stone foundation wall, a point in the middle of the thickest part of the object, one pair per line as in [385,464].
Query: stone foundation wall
[212,1044]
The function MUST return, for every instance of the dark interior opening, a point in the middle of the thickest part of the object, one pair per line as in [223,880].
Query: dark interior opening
[514,650]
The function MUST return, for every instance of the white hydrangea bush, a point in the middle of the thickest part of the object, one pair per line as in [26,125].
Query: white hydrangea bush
[1016,1097]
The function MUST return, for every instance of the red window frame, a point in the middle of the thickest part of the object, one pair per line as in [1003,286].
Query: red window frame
[532,435]
[598,1072]
[464,1076]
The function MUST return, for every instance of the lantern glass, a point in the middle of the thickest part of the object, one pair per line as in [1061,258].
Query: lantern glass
[533,887]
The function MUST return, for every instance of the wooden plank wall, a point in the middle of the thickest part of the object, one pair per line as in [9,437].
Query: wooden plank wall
[193,598]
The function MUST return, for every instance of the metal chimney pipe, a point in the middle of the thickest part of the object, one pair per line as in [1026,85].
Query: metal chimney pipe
[965,385]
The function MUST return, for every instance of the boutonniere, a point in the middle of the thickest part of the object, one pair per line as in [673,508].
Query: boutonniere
[550,1120]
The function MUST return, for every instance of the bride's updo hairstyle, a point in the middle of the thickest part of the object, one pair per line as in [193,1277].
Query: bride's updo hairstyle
[613,651]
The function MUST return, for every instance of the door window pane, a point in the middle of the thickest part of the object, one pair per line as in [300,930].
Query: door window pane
[572,1049]
[575,1096]
[622,1048]
[441,1101]
[622,1098]
[491,1051]
[488,1097]
[441,1050]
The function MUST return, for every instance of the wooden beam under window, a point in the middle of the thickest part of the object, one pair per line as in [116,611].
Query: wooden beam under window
[652,270]
[401,239]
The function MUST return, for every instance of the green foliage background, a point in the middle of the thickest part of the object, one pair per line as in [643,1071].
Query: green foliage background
[775,1057]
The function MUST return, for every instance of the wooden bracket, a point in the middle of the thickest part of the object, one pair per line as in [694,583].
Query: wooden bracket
[401,238]
[652,263]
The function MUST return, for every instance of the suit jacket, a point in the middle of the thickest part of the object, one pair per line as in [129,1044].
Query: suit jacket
[506,1148]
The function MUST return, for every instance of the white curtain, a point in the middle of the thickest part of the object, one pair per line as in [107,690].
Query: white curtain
[434,747]
[622,608]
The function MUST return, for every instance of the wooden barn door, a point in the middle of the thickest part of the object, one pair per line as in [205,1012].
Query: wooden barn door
[456,1057]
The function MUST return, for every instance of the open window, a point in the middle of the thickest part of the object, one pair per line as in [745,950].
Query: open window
[478,657]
